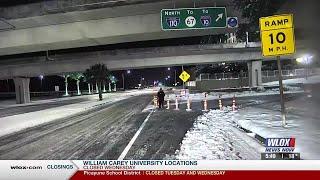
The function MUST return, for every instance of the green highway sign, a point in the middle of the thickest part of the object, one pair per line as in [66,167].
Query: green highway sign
[193,18]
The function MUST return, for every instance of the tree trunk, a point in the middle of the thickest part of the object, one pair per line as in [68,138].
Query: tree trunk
[104,87]
[92,89]
[66,84]
[115,87]
[89,88]
[110,87]
[100,91]
[78,87]
[97,89]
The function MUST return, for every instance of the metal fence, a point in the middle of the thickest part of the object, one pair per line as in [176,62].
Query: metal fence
[274,73]
[221,76]
[293,72]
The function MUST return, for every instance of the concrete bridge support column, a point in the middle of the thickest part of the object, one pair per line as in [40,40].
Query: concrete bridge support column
[22,89]
[254,73]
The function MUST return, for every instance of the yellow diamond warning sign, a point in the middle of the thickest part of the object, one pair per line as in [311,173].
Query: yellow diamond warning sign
[184,76]
[277,35]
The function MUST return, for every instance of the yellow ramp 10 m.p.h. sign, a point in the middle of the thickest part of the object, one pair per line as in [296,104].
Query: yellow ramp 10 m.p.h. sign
[277,35]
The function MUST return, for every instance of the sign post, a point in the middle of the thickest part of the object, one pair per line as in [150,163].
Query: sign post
[283,109]
[184,76]
[277,38]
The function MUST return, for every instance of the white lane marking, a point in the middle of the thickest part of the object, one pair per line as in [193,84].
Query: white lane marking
[126,150]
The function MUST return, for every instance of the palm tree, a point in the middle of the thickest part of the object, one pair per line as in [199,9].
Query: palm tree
[98,72]
[110,80]
[77,76]
[104,86]
[114,81]
[65,76]
[88,79]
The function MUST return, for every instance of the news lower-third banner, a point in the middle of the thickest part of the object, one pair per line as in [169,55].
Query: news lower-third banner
[144,169]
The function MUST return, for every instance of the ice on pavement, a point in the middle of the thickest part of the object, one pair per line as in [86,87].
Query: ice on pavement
[19,122]
[215,137]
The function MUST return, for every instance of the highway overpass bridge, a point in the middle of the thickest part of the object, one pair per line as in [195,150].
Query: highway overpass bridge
[134,58]
[21,69]
[40,27]
[92,27]
[53,25]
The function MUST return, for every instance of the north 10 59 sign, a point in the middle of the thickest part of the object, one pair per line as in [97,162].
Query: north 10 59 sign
[193,18]
[277,35]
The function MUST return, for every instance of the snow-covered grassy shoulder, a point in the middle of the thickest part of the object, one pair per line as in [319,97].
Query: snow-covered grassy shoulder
[223,95]
[267,124]
[310,80]
[214,137]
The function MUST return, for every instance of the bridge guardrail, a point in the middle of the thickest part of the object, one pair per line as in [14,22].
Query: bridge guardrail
[274,73]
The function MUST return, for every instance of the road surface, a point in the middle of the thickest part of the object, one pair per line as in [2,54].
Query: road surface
[9,111]
[104,133]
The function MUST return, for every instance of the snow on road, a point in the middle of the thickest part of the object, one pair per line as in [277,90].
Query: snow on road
[99,134]
[19,122]
[215,137]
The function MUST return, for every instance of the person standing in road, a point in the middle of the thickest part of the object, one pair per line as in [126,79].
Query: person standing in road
[161,95]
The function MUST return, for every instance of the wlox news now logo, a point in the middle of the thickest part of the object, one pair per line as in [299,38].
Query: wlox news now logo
[280,144]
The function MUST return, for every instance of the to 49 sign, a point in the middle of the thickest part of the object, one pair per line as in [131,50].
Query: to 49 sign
[277,35]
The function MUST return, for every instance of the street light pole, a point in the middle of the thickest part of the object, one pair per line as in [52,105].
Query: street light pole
[307,66]
[183,81]
[175,77]
[306,61]
[123,82]
[8,87]
[41,78]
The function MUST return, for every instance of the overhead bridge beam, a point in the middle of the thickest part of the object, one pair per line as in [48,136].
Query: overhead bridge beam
[80,64]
